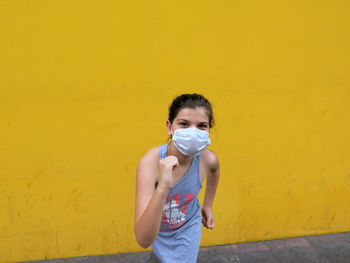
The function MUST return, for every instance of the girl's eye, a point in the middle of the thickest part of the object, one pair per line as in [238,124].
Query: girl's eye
[183,123]
[202,126]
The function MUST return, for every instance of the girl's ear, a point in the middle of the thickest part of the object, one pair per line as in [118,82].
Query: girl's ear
[169,128]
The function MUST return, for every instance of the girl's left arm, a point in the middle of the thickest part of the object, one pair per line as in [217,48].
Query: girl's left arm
[213,176]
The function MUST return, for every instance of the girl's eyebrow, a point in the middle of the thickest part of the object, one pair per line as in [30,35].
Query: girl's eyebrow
[205,122]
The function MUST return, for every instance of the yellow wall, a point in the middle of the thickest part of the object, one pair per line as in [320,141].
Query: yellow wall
[85,87]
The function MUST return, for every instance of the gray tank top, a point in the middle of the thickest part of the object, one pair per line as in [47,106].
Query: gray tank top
[181,226]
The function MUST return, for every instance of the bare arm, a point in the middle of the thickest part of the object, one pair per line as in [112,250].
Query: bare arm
[211,186]
[150,202]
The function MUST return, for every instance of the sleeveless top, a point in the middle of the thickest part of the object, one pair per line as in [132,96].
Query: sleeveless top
[181,226]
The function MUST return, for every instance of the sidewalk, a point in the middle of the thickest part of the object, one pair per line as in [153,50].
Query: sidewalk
[329,248]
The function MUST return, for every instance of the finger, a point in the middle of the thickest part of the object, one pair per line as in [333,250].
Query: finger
[176,163]
[175,166]
[172,158]
[211,223]
[173,162]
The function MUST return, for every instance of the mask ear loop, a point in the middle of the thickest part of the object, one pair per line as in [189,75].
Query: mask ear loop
[172,132]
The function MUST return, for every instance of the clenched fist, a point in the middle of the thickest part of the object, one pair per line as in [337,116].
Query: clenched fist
[166,169]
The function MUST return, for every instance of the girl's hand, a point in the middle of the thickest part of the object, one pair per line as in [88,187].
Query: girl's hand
[208,218]
[166,169]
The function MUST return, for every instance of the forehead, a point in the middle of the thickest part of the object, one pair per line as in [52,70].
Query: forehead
[197,114]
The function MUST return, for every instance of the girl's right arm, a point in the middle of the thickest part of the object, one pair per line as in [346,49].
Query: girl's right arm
[149,201]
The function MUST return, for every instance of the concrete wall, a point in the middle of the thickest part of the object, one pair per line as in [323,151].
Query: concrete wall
[84,91]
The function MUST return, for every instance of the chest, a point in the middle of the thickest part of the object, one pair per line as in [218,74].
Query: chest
[181,171]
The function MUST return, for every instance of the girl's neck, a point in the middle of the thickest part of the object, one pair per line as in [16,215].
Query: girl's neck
[183,159]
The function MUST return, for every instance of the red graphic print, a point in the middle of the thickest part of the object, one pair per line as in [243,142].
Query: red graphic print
[174,213]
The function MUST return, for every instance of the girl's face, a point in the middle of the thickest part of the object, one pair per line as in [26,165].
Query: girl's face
[187,118]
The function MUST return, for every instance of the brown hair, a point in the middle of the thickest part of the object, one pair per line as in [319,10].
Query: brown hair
[190,101]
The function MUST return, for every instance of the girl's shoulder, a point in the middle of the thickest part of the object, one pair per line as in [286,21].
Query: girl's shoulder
[210,159]
[147,168]
[151,156]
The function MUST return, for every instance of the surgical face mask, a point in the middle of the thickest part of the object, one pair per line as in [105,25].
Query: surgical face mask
[190,141]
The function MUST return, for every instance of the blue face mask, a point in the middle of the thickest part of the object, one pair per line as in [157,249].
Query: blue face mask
[190,141]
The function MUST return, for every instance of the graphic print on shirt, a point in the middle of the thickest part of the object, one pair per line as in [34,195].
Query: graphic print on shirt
[174,213]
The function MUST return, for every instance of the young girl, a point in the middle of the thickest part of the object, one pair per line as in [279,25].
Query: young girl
[168,214]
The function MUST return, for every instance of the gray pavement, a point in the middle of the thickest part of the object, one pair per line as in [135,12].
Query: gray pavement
[329,248]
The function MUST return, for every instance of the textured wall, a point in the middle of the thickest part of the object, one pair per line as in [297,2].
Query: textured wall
[84,91]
